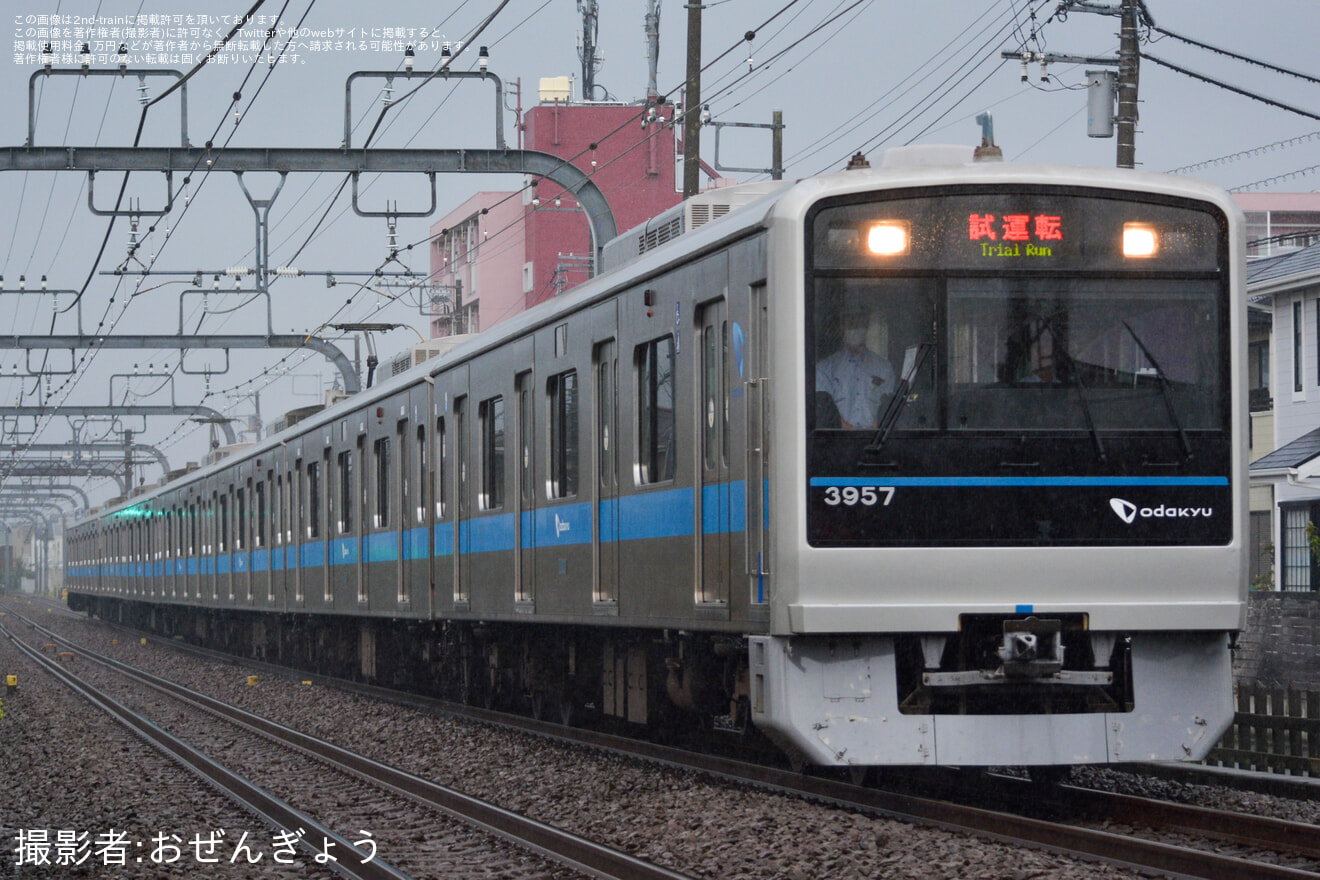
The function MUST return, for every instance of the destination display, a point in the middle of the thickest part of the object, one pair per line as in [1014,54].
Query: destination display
[996,230]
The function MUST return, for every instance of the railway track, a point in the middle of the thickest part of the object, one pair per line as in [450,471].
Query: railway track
[1293,841]
[566,849]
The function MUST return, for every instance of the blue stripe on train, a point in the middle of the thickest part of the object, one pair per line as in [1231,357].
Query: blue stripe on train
[668,513]
[963,482]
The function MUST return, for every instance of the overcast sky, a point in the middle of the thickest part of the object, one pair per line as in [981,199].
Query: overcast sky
[848,76]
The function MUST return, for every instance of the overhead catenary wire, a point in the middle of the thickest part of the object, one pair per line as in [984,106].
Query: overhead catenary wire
[1231,88]
[926,101]
[1246,154]
[88,355]
[1237,57]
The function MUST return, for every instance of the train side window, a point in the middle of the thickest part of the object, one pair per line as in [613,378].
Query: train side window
[441,462]
[276,514]
[313,499]
[240,520]
[712,397]
[345,497]
[525,437]
[380,450]
[288,504]
[223,513]
[563,398]
[421,473]
[259,502]
[656,456]
[605,420]
[402,477]
[491,415]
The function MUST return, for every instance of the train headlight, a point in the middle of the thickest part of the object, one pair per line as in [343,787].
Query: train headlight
[889,238]
[1140,240]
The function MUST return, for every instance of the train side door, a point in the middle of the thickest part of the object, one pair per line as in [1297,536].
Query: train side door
[715,501]
[462,504]
[758,449]
[525,516]
[192,586]
[605,370]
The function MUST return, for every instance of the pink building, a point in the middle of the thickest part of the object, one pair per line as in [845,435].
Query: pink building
[502,252]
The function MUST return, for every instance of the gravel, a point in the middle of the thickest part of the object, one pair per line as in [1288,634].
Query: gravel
[683,820]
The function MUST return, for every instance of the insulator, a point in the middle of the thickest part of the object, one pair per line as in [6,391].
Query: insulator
[287,271]
[238,270]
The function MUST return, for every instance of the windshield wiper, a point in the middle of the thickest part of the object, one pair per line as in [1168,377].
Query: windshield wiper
[1081,395]
[1164,392]
[912,361]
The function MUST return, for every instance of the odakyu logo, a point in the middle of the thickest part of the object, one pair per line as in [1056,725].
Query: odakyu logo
[1129,512]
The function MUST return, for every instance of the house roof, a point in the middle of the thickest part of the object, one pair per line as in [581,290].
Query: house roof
[1291,455]
[1301,262]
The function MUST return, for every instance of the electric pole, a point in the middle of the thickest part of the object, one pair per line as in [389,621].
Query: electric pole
[1129,69]
[1102,85]
[692,104]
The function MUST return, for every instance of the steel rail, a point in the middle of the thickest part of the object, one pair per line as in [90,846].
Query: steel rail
[248,795]
[1010,828]
[560,846]
[1258,831]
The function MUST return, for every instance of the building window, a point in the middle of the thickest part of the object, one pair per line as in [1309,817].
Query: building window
[1297,345]
[1262,549]
[1299,568]
[655,411]
[491,415]
[563,393]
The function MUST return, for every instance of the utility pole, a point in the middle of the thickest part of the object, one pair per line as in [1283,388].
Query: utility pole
[1102,85]
[1129,69]
[692,104]
[128,463]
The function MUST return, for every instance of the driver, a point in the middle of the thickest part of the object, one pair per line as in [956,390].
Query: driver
[856,378]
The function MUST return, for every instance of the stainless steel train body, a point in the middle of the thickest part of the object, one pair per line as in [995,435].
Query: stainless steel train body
[638,499]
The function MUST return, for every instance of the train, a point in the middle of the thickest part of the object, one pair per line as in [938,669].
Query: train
[940,462]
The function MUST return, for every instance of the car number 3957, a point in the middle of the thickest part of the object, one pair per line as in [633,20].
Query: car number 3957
[867,496]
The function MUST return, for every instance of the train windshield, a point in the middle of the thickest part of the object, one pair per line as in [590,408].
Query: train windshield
[985,340]
[1017,354]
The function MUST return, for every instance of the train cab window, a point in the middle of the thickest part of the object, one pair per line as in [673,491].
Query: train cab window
[562,391]
[490,413]
[867,333]
[380,450]
[656,456]
[313,512]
